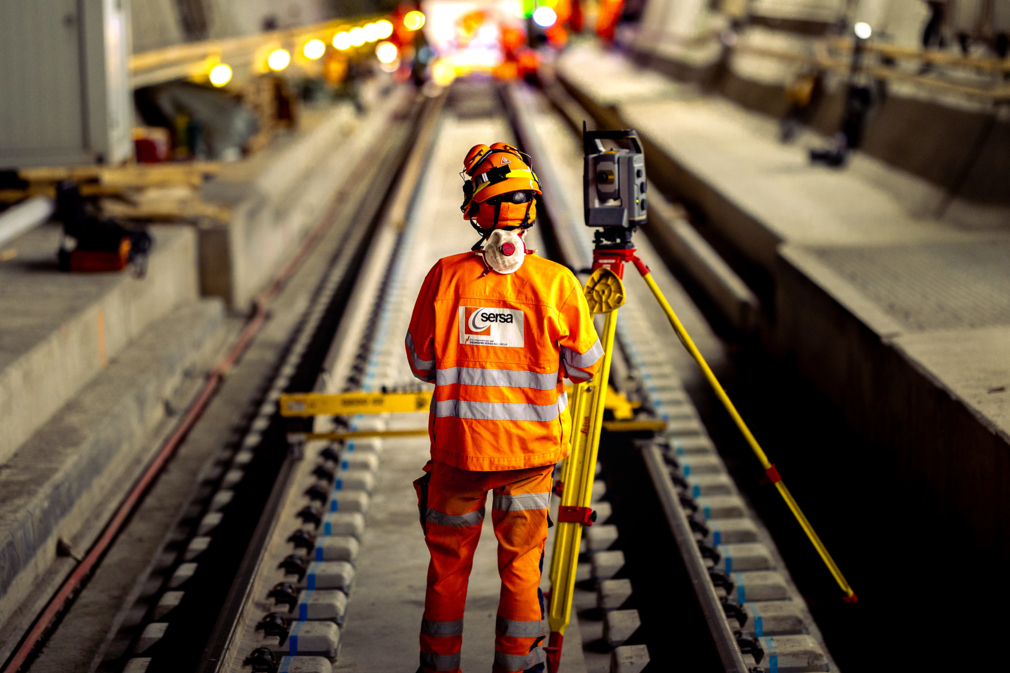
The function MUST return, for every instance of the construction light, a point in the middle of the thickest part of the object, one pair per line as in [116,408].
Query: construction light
[371,32]
[413,20]
[220,75]
[545,17]
[385,29]
[358,37]
[342,41]
[443,72]
[279,59]
[386,52]
[863,30]
[314,49]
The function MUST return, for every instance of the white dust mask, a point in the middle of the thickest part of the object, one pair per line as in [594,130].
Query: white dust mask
[504,251]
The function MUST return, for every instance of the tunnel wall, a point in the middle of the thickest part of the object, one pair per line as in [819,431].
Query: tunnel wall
[961,146]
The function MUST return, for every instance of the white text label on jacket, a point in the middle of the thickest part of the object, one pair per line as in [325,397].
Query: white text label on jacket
[480,326]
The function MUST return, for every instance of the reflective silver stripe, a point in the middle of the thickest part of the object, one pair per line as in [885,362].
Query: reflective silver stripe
[419,364]
[501,378]
[500,411]
[440,662]
[583,360]
[441,629]
[519,662]
[578,375]
[517,629]
[518,502]
[455,520]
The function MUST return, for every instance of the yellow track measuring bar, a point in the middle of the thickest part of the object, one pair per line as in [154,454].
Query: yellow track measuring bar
[355,434]
[350,404]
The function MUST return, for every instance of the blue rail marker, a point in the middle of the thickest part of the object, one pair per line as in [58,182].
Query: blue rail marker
[293,638]
[773,656]
[303,606]
[758,621]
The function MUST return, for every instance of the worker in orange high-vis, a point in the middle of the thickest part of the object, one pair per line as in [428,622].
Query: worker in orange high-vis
[495,329]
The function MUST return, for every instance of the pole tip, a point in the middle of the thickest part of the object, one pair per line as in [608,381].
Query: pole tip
[851,598]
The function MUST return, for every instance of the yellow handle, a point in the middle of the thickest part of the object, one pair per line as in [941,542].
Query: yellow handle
[685,339]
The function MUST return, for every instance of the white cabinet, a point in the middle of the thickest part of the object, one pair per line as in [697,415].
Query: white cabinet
[65,93]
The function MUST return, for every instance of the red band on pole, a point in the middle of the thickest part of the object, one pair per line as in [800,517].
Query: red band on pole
[582,515]
[773,474]
[559,488]
[553,652]
[851,599]
[640,265]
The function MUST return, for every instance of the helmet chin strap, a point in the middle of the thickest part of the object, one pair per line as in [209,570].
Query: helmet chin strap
[484,233]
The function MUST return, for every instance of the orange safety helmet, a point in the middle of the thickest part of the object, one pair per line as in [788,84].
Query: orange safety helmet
[499,189]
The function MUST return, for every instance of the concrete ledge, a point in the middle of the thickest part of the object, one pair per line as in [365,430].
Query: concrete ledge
[82,461]
[58,329]
[964,134]
[924,394]
[280,195]
[674,236]
[922,380]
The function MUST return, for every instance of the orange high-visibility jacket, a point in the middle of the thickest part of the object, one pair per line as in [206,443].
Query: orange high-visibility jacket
[496,347]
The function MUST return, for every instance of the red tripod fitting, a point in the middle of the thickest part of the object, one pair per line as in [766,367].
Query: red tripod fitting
[614,260]
[583,515]
[553,652]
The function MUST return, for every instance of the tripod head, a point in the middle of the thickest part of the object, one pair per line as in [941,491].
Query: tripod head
[613,187]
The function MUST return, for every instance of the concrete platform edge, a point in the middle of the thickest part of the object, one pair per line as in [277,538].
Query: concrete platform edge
[52,370]
[84,458]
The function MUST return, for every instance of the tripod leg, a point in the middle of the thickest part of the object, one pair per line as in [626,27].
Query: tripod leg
[769,468]
[577,493]
[577,410]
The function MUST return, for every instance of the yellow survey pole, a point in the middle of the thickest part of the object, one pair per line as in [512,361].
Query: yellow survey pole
[769,468]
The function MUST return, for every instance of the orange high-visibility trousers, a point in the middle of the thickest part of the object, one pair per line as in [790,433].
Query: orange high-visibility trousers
[452,510]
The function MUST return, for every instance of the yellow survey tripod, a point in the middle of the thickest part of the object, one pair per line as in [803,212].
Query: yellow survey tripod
[619,176]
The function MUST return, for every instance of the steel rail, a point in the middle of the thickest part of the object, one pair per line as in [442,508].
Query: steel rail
[718,626]
[722,637]
[343,269]
[79,575]
[398,190]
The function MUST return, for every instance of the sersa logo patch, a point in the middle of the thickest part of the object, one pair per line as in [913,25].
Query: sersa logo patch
[481,326]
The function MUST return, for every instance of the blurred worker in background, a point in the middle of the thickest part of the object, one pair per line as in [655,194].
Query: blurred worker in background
[495,329]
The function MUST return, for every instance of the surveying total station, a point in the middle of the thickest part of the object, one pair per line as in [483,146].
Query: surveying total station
[614,190]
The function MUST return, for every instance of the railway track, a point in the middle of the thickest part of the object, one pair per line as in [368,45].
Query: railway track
[266,565]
